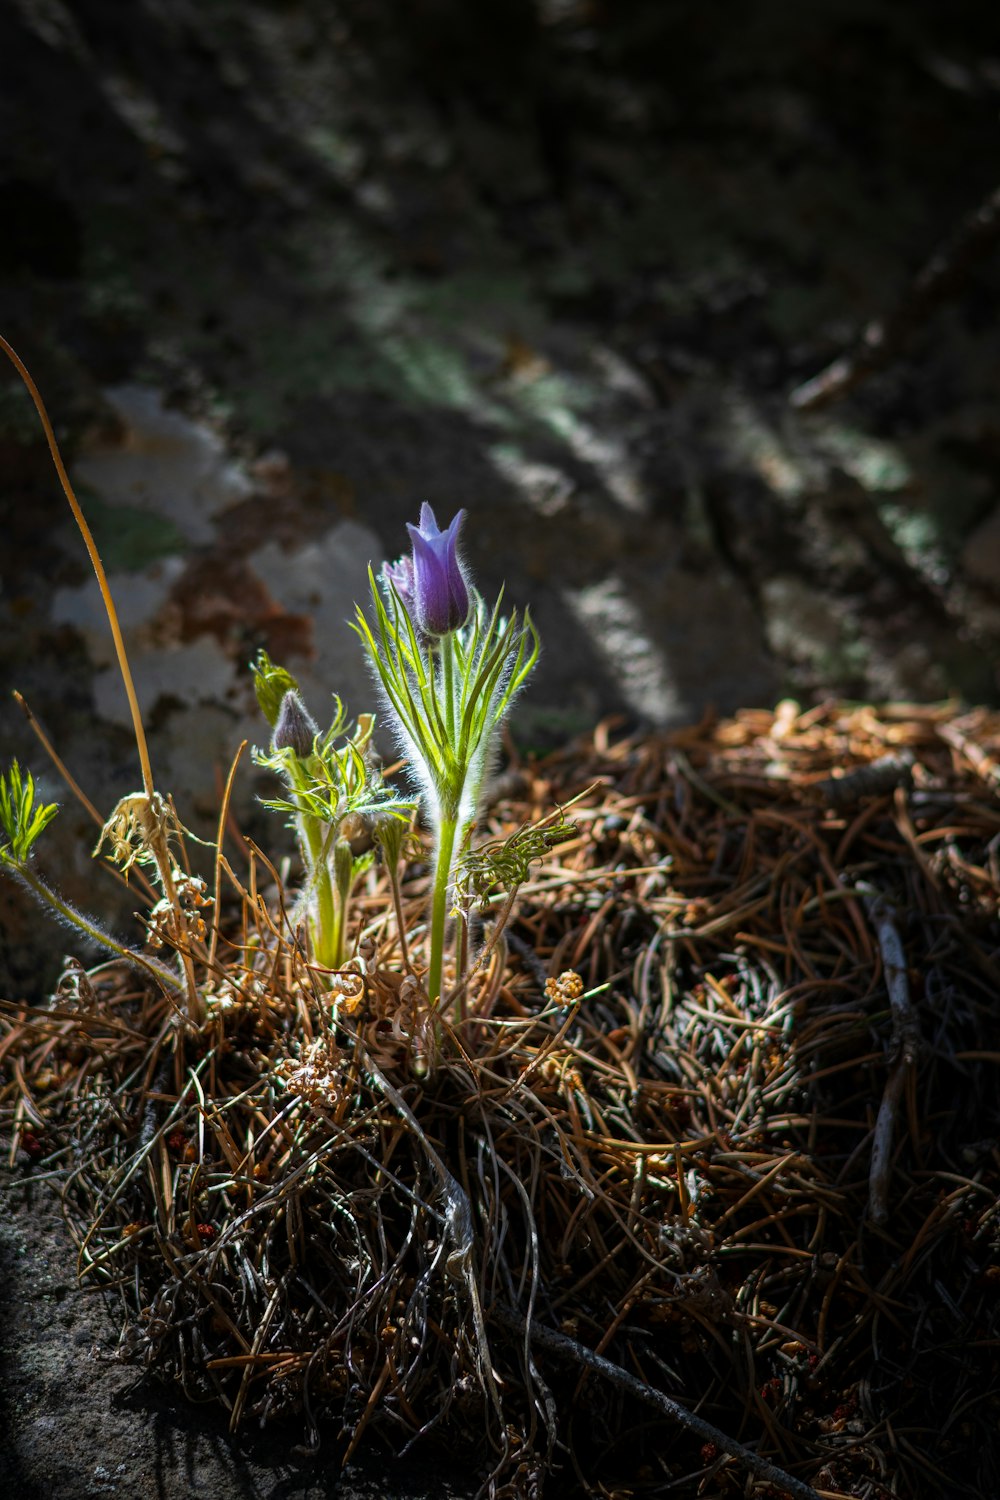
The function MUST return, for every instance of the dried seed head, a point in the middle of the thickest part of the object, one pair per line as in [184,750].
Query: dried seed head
[566,989]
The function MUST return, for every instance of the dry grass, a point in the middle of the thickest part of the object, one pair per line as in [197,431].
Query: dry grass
[721,1111]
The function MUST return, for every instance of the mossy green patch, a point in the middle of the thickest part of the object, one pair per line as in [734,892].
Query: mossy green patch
[879,467]
[917,534]
[129,539]
[18,418]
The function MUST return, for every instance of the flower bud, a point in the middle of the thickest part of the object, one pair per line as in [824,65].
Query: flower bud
[296,728]
[400,576]
[356,829]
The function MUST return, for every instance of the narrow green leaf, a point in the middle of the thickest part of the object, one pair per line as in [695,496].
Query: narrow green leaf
[21,821]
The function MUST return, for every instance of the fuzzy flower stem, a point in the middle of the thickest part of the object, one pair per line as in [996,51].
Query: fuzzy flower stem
[327,935]
[343,866]
[397,905]
[448,826]
[325,927]
[444,860]
[44,892]
[390,834]
[313,842]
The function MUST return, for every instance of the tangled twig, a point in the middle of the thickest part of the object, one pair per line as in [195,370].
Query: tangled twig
[883,338]
[641,1132]
[561,1344]
[903,1052]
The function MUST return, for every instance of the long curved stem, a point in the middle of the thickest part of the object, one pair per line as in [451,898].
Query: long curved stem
[44,892]
[158,842]
[327,936]
[95,558]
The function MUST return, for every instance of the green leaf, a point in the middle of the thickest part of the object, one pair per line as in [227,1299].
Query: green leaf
[271,683]
[335,780]
[449,709]
[21,822]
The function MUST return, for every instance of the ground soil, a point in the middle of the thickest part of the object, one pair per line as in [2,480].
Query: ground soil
[77,1422]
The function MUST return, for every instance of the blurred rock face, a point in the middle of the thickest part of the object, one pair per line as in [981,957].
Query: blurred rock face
[283,281]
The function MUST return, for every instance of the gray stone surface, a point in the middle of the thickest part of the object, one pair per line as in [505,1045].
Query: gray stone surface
[77,1422]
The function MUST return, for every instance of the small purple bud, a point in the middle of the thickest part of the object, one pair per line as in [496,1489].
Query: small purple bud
[440,590]
[400,576]
[296,729]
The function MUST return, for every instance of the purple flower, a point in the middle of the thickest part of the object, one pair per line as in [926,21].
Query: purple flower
[439,592]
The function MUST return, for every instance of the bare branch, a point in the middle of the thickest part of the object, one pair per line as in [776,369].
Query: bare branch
[883,338]
[903,1050]
[560,1343]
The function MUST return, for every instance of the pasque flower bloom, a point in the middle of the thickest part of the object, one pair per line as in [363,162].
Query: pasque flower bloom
[433,585]
[448,688]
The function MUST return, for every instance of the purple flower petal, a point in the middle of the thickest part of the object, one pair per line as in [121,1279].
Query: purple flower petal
[440,590]
[400,576]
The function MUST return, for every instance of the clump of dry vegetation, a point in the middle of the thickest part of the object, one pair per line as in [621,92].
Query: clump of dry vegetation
[652,1137]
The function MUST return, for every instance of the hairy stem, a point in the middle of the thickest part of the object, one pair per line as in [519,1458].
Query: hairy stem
[343,869]
[44,892]
[326,933]
[325,922]
[397,903]
[444,859]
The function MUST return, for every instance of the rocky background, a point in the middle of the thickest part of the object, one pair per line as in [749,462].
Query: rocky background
[285,270]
